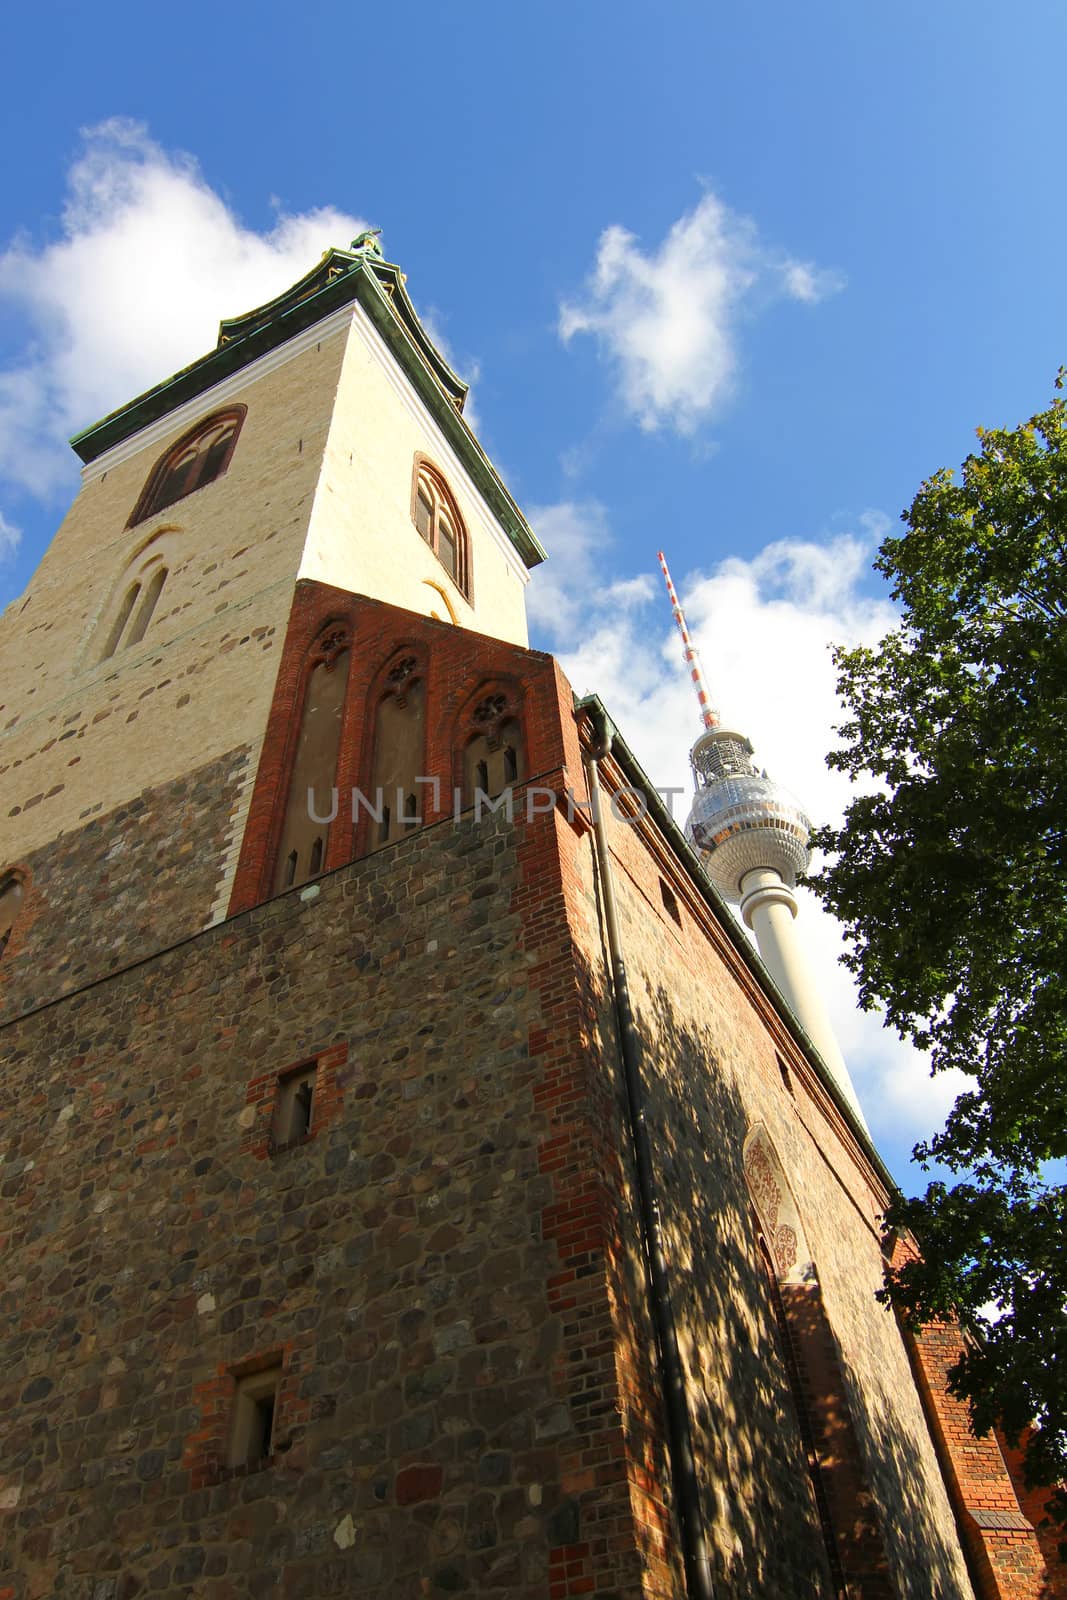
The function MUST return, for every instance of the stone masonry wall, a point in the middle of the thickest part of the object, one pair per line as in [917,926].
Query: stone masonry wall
[421,1264]
[121,886]
[79,735]
[713,1049]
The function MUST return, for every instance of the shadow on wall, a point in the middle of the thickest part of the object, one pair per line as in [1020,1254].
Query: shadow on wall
[762,1512]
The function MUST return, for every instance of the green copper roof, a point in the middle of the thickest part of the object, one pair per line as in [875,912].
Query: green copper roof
[341,277]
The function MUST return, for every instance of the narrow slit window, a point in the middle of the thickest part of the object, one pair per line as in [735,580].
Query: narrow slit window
[424,514]
[670,903]
[254,1425]
[129,600]
[149,601]
[294,1106]
[494,760]
[315,859]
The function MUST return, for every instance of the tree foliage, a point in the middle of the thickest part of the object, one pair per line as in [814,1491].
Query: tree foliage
[950,878]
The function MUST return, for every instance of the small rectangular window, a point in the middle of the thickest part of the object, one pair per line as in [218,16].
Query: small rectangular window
[670,904]
[294,1107]
[253,1425]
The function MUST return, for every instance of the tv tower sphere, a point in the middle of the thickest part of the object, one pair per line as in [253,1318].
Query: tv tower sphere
[741,821]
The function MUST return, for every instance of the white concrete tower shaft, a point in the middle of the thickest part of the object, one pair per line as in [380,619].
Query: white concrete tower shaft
[752,836]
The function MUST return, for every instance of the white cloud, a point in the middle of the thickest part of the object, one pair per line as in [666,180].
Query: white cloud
[574,532]
[668,319]
[764,628]
[148,260]
[10,537]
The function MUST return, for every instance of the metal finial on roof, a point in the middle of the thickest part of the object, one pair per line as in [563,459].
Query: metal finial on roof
[368,240]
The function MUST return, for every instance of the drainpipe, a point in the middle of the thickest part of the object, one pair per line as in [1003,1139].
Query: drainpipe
[672,1375]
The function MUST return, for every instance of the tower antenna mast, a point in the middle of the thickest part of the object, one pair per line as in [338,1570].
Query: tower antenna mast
[692,660]
[752,836]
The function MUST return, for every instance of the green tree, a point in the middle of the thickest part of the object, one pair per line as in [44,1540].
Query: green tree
[950,878]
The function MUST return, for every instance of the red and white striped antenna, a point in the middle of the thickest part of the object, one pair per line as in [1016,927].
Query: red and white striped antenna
[707,710]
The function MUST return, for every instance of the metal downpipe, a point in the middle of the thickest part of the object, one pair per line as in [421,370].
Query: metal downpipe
[672,1377]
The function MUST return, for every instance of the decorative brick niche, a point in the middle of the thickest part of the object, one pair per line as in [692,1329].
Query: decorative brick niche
[292,1105]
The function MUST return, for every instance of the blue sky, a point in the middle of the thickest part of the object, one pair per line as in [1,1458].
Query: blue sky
[727,280]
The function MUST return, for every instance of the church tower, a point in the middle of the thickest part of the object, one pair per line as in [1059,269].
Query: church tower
[322,441]
[412,1185]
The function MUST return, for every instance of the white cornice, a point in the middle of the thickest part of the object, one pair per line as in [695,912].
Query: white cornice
[183,416]
[155,434]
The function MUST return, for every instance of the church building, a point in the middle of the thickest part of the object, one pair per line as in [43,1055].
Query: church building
[414,1184]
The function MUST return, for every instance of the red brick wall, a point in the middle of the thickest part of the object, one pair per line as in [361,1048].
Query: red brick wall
[1032,1502]
[459,668]
[1006,1559]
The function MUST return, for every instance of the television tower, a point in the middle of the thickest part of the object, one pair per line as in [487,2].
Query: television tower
[752,836]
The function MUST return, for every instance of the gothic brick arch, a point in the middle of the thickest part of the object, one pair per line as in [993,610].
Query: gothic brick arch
[490,731]
[846,1510]
[313,756]
[775,1207]
[394,749]
[406,661]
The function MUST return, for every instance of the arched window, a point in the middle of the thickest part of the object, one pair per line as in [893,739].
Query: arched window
[199,457]
[138,597]
[436,515]
[494,755]
[10,906]
[310,806]
[399,742]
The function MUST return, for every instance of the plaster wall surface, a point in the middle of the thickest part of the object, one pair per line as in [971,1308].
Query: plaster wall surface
[362,536]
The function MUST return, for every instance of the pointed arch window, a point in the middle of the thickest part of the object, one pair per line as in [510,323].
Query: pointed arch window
[436,516]
[199,457]
[494,756]
[399,761]
[311,805]
[849,1519]
[11,895]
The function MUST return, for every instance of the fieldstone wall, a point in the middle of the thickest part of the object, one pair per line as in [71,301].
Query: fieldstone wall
[445,1423]
[713,1050]
[122,885]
